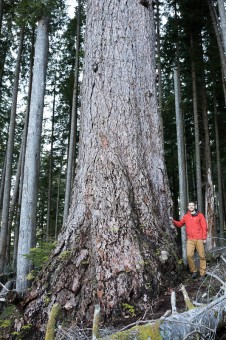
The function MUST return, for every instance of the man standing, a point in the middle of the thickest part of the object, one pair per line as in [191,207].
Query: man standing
[196,231]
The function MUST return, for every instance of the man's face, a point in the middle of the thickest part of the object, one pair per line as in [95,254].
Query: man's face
[191,207]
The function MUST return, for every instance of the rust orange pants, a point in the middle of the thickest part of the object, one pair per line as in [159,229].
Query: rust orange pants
[198,245]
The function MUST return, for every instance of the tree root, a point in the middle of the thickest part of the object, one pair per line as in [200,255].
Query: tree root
[52,321]
[96,321]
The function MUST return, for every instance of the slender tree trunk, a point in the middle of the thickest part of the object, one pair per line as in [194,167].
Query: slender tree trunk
[1,15]
[196,127]
[2,64]
[118,229]
[2,189]
[32,156]
[4,48]
[209,188]
[221,9]
[50,170]
[9,158]
[73,129]
[220,46]
[182,168]
[224,86]
[219,176]
[58,197]
[57,204]
[22,154]
[181,158]
[16,191]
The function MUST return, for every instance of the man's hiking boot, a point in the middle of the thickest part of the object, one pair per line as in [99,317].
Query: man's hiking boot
[202,277]
[194,275]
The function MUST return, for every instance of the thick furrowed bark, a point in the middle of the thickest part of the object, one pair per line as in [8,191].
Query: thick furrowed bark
[110,250]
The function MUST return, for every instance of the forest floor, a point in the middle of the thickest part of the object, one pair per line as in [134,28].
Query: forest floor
[200,291]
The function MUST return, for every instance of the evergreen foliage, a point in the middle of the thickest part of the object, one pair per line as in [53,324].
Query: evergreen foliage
[40,254]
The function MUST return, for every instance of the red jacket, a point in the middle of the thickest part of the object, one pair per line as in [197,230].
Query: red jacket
[196,226]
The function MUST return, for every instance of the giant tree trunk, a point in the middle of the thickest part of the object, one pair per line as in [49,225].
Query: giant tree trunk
[112,248]
[32,156]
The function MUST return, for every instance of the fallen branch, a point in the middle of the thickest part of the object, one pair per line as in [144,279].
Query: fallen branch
[187,300]
[194,333]
[218,279]
[204,320]
[173,302]
[4,287]
[222,258]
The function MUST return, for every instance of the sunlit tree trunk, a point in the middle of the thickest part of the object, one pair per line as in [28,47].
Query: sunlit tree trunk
[22,155]
[111,250]
[9,158]
[50,170]
[32,156]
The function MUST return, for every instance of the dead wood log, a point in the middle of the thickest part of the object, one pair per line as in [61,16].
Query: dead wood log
[204,320]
